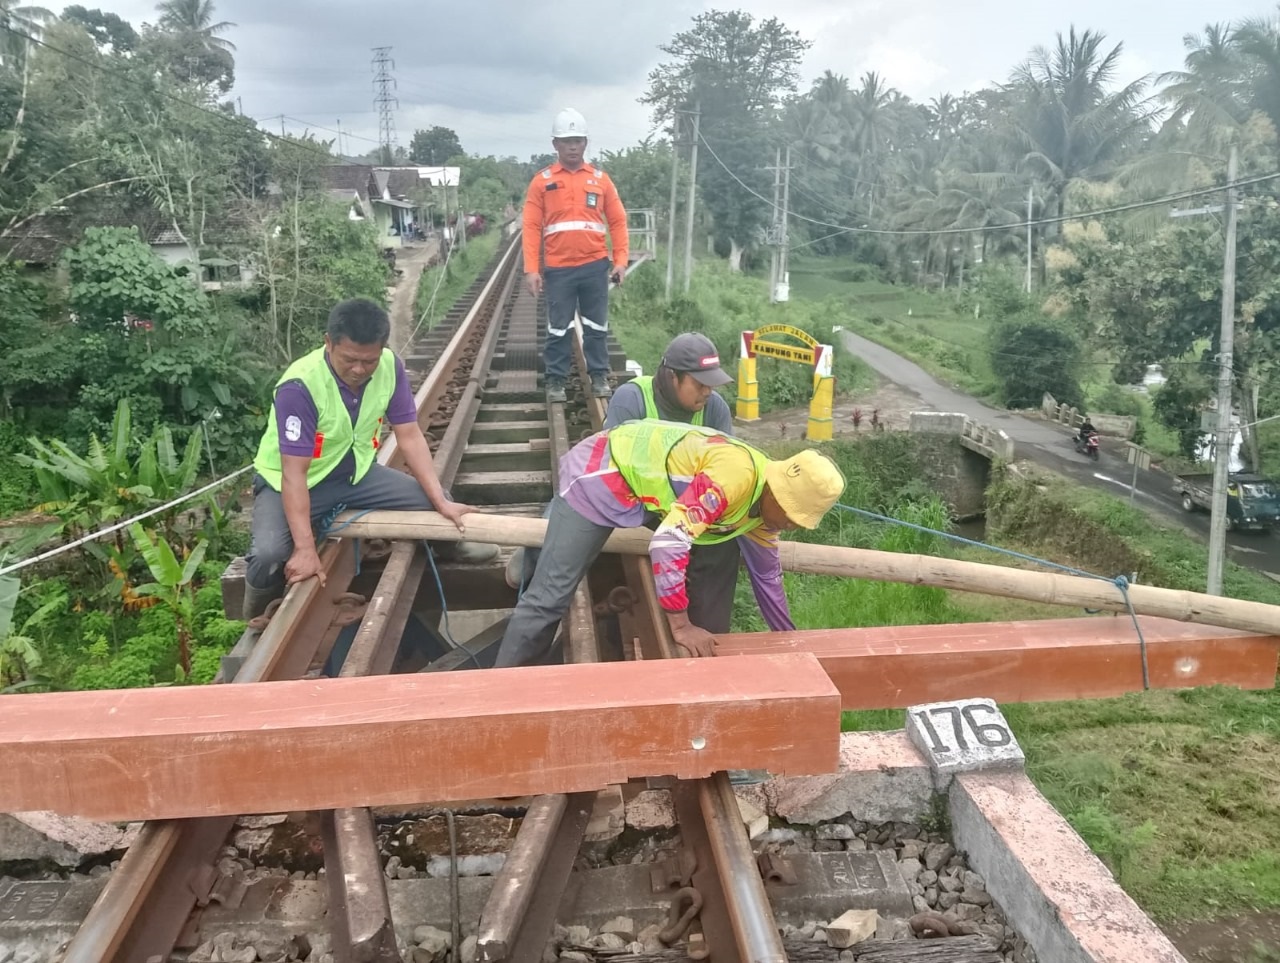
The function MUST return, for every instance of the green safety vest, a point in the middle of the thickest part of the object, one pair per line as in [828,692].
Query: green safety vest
[645,384]
[335,434]
[640,450]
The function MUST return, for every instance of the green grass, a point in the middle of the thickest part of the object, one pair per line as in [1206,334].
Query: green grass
[464,266]
[722,305]
[921,325]
[1178,792]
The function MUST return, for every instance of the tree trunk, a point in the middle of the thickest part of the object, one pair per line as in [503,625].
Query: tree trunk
[735,256]
[1249,408]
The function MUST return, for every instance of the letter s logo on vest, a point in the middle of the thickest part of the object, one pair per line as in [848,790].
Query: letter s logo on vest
[293,427]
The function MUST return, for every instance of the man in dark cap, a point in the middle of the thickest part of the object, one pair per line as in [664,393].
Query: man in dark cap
[681,390]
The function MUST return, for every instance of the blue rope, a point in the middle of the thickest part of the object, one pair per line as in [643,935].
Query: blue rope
[1119,581]
[444,608]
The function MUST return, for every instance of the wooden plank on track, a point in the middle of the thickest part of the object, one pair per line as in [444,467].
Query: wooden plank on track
[1082,658]
[335,743]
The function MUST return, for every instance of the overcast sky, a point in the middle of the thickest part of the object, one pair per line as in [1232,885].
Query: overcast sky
[497,70]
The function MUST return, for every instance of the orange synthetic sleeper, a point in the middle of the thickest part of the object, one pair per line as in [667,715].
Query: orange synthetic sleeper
[385,740]
[1081,658]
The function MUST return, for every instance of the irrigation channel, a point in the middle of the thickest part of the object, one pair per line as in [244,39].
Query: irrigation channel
[179,892]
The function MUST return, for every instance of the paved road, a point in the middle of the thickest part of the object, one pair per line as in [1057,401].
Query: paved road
[1050,444]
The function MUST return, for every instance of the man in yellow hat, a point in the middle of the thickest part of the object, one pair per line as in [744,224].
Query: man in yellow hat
[707,487]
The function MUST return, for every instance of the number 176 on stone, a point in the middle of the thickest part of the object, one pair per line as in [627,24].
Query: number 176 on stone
[963,736]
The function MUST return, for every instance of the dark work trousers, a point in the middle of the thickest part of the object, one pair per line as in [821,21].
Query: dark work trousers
[271,542]
[585,290]
[552,575]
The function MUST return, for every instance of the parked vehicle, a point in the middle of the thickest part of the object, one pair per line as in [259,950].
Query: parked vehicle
[1253,502]
[1087,445]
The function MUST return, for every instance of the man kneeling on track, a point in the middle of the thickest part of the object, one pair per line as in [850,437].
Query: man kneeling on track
[707,487]
[319,453]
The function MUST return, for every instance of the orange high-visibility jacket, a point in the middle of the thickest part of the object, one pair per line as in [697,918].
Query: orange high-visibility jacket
[568,211]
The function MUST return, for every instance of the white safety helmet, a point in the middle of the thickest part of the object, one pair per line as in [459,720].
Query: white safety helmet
[569,123]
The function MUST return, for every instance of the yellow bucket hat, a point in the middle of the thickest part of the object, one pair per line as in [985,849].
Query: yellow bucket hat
[806,485]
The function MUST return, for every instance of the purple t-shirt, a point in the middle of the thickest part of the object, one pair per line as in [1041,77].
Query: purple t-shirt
[296,414]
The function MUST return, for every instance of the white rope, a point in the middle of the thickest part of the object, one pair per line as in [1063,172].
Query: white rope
[26,562]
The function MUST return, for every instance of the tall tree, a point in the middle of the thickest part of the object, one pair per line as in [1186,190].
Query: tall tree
[736,72]
[106,29]
[435,146]
[1067,121]
[187,41]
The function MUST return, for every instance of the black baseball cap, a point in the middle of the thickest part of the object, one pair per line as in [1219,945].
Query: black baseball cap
[694,354]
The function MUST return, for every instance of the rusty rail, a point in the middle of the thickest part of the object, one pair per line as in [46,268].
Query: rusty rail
[735,920]
[521,910]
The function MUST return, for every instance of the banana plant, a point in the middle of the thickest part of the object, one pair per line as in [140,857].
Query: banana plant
[20,657]
[172,584]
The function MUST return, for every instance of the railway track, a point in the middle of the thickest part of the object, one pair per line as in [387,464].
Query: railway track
[497,444]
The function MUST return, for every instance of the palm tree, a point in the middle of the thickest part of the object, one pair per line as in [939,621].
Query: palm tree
[1258,42]
[15,21]
[1210,96]
[193,19]
[1067,123]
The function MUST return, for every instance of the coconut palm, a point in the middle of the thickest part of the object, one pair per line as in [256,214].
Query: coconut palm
[15,21]
[1067,122]
[193,19]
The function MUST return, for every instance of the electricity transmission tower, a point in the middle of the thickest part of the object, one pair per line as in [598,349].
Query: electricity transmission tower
[385,102]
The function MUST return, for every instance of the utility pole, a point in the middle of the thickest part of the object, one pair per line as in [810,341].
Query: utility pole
[775,230]
[693,184]
[341,149]
[385,102]
[1030,201]
[671,211]
[786,207]
[1226,365]
[1226,348]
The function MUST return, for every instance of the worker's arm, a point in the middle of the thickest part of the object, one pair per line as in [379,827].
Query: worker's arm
[531,237]
[304,562]
[417,456]
[724,479]
[764,566]
[616,215]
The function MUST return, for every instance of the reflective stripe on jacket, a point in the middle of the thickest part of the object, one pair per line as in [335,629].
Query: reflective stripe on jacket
[335,434]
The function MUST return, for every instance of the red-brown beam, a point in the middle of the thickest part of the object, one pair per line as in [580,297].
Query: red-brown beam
[1083,658]
[179,752]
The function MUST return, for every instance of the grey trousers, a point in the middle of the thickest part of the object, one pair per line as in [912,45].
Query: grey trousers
[271,543]
[571,545]
[585,290]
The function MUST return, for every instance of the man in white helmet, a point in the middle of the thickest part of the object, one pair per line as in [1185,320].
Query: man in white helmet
[569,208]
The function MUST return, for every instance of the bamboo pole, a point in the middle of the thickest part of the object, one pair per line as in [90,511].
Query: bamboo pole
[1053,589]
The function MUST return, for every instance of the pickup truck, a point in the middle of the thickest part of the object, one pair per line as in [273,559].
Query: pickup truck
[1253,502]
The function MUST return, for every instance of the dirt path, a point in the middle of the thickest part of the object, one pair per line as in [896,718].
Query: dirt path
[410,262]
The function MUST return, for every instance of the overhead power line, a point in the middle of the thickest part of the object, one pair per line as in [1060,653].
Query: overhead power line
[212,112]
[992,228]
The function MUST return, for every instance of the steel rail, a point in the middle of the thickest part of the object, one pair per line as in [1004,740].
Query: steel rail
[520,912]
[737,921]
[141,913]
[361,925]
